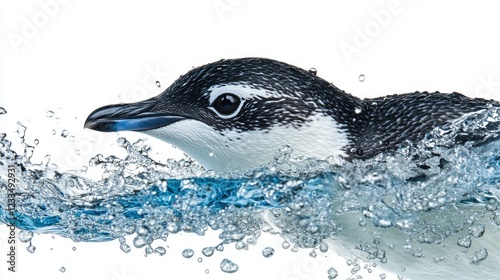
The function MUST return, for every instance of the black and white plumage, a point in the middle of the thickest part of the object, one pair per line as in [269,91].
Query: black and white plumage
[236,113]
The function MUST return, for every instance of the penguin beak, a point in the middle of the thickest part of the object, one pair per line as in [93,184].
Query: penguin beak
[134,116]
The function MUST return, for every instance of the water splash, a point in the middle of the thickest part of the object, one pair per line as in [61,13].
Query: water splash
[427,194]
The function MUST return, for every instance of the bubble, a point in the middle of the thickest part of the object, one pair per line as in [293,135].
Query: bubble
[332,273]
[228,266]
[3,111]
[50,114]
[313,71]
[268,252]
[187,253]
[361,78]
[62,269]
[158,84]
[208,251]
[25,236]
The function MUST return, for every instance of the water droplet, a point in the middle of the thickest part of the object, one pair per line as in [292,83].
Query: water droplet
[3,111]
[142,230]
[172,227]
[323,247]
[31,248]
[187,253]
[220,247]
[313,71]
[158,84]
[208,251]
[21,130]
[71,138]
[357,110]
[492,205]
[477,230]
[211,154]
[268,252]
[332,273]
[383,276]
[361,78]
[125,247]
[464,241]
[62,269]
[36,142]
[50,114]
[313,254]
[64,133]
[207,271]
[74,248]
[160,250]
[53,132]
[77,152]
[140,241]
[200,259]
[228,266]
[241,245]
[148,250]
[480,255]
[285,245]
[25,236]
[162,185]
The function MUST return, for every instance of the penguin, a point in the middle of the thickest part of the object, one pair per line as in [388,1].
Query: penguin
[235,114]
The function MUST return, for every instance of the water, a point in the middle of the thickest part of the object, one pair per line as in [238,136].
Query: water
[431,206]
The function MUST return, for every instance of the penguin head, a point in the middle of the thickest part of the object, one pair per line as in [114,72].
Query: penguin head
[236,114]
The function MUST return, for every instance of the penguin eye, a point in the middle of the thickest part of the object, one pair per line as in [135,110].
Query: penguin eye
[226,103]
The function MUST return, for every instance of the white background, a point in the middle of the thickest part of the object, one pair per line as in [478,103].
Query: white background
[74,56]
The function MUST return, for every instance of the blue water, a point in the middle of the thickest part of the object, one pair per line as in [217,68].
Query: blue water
[428,193]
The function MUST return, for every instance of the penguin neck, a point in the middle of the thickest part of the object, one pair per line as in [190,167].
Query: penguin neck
[391,120]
